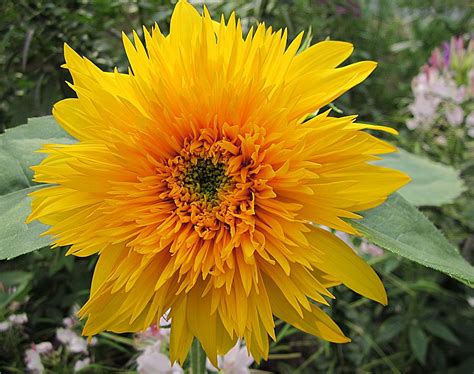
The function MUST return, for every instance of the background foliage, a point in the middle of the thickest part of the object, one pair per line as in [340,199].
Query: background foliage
[429,323]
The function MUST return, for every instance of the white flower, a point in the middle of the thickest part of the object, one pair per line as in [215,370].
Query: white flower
[470,119]
[33,361]
[152,361]
[236,361]
[18,319]
[455,115]
[5,325]
[44,347]
[81,364]
[432,89]
[71,340]
[441,87]
[424,108]
[78,345]
[65,335]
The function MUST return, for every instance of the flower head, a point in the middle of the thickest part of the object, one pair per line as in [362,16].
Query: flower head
[196,177]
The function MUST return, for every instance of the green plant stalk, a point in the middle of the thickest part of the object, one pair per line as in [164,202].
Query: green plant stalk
[197,357]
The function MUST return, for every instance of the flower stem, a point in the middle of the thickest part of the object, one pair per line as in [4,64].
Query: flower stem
[197,358]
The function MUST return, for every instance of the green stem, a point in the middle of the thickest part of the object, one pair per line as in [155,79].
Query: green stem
[197,358]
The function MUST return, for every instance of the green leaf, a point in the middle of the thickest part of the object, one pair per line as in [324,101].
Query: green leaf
[400,228]
[433,184]
[17,151]
[391,328]
[440,330]
[17,155]
[16,237]
[418,343]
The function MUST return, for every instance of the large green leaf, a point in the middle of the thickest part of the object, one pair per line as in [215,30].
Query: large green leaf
[433,184]
[399,227]
[17,151]
[17,155]
[16,237]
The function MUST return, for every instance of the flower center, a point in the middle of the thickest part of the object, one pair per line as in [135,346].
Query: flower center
[205,178]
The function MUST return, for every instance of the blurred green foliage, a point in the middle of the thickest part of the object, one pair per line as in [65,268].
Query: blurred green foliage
[428,325]
[398,34]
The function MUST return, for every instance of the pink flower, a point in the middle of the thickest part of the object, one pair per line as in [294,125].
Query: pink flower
[33,361]
[18,319]
[44,348]
[152,361]
[73,342]
[455,115]
[33,356]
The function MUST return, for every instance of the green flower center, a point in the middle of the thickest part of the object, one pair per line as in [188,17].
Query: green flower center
[205,178]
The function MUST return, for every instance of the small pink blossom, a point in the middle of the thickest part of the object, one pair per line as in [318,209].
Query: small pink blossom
[18,319]
[73,342]
[455,115]
[44,348]
[152,361]
[33,361]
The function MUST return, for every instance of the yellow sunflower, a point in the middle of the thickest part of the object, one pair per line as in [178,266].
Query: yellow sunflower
[198,179]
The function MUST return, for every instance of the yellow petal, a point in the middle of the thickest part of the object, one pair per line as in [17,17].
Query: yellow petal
[341,262]
[313,321]
[323,55]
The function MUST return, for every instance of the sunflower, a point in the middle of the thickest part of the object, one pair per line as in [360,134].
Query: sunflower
[200,178]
